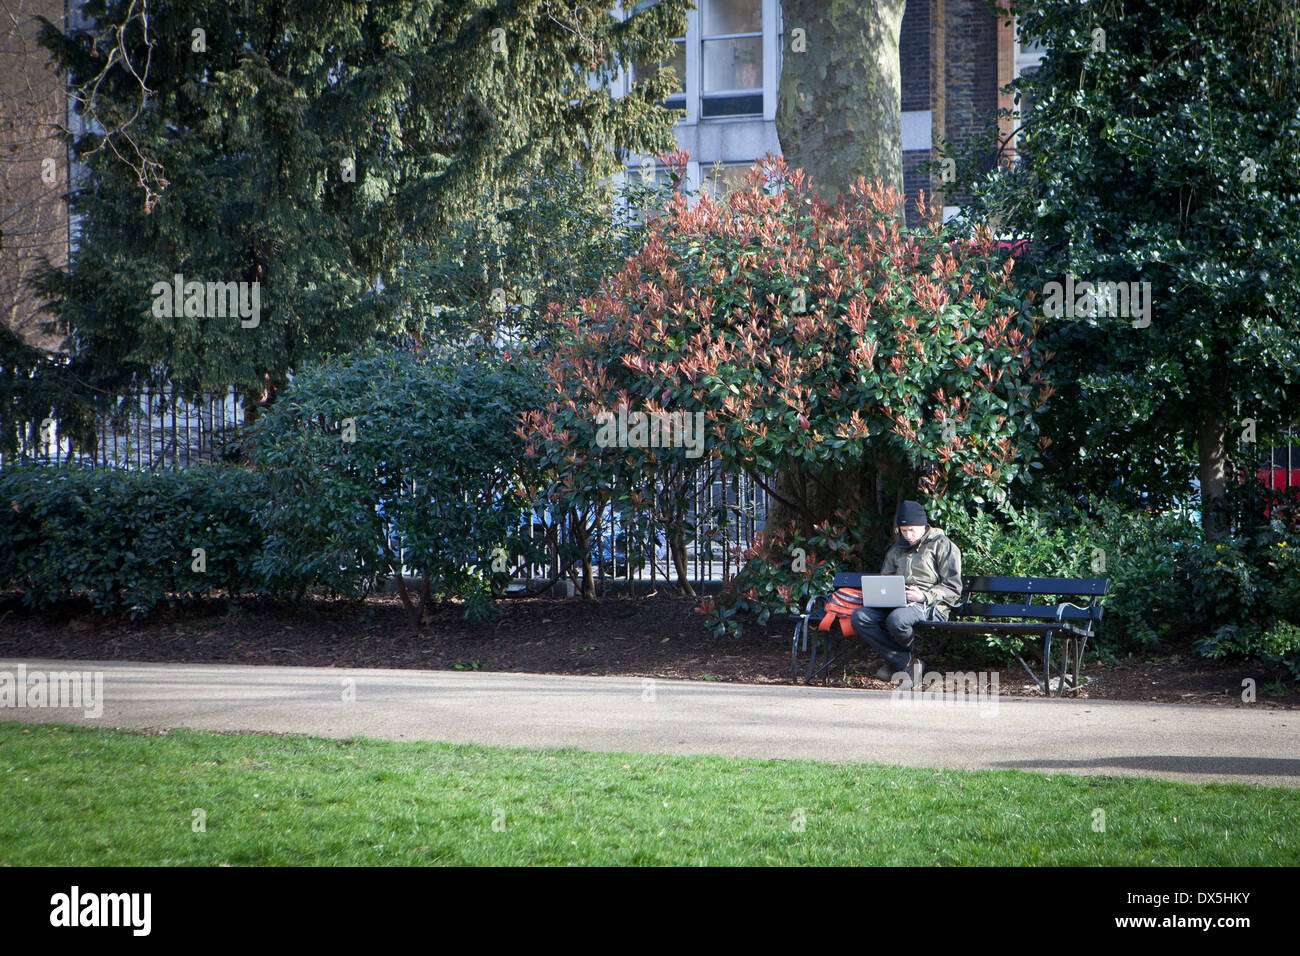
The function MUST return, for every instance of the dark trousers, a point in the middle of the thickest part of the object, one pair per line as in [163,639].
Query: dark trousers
[893,640]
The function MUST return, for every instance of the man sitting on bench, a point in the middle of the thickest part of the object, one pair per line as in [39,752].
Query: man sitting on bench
[931,566]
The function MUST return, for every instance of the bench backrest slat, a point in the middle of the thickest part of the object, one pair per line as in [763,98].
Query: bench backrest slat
[1004,585]
[1039,612]
[978,583]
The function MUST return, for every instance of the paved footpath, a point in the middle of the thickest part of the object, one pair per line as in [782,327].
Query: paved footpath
[1173,741]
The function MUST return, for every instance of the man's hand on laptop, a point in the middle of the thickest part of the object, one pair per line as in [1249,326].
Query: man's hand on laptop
[915,594]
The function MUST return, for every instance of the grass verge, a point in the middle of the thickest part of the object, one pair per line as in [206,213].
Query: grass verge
[86,797]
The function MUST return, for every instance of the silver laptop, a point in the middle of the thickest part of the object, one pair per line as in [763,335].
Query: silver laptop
[884,590]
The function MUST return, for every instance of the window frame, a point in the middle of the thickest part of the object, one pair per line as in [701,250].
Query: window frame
[765,53]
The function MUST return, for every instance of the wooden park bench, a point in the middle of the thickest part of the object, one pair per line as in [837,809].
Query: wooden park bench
[1068,622]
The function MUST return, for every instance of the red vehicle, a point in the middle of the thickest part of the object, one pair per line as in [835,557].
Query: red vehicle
[1279,480]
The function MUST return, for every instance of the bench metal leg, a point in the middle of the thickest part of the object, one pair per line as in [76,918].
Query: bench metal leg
[1071,671]
[1078,643]
[799,643]
[827,646]
[1045,684]
[1047,664]
[806,640]
[800,637]
[1071,654]
[1029,671]
[834,649]
[1066,660]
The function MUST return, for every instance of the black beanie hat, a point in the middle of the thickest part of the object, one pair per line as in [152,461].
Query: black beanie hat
[911,512]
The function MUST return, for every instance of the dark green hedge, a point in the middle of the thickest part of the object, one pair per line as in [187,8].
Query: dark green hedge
[125,540]
[1237,598]
[431,447]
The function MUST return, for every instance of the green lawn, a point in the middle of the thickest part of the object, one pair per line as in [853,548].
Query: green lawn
[87,796]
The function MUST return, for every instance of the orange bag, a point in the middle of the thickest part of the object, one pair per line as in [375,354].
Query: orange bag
[839,606]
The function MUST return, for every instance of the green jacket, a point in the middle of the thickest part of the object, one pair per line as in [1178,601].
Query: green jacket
[933,565]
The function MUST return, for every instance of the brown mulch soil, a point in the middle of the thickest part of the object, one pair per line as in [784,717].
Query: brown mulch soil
[655,636]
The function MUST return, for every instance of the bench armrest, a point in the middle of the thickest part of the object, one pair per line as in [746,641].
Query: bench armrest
[1060,609]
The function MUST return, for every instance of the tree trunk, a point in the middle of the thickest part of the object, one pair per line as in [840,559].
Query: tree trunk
[424,599]
[1211,446]
[868,489]
[582,538]
[254,404]
[412,612]
[839,106]
[677,548]
[838,117]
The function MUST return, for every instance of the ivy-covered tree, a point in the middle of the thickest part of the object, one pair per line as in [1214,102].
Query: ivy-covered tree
[1160,148]
[323,150]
